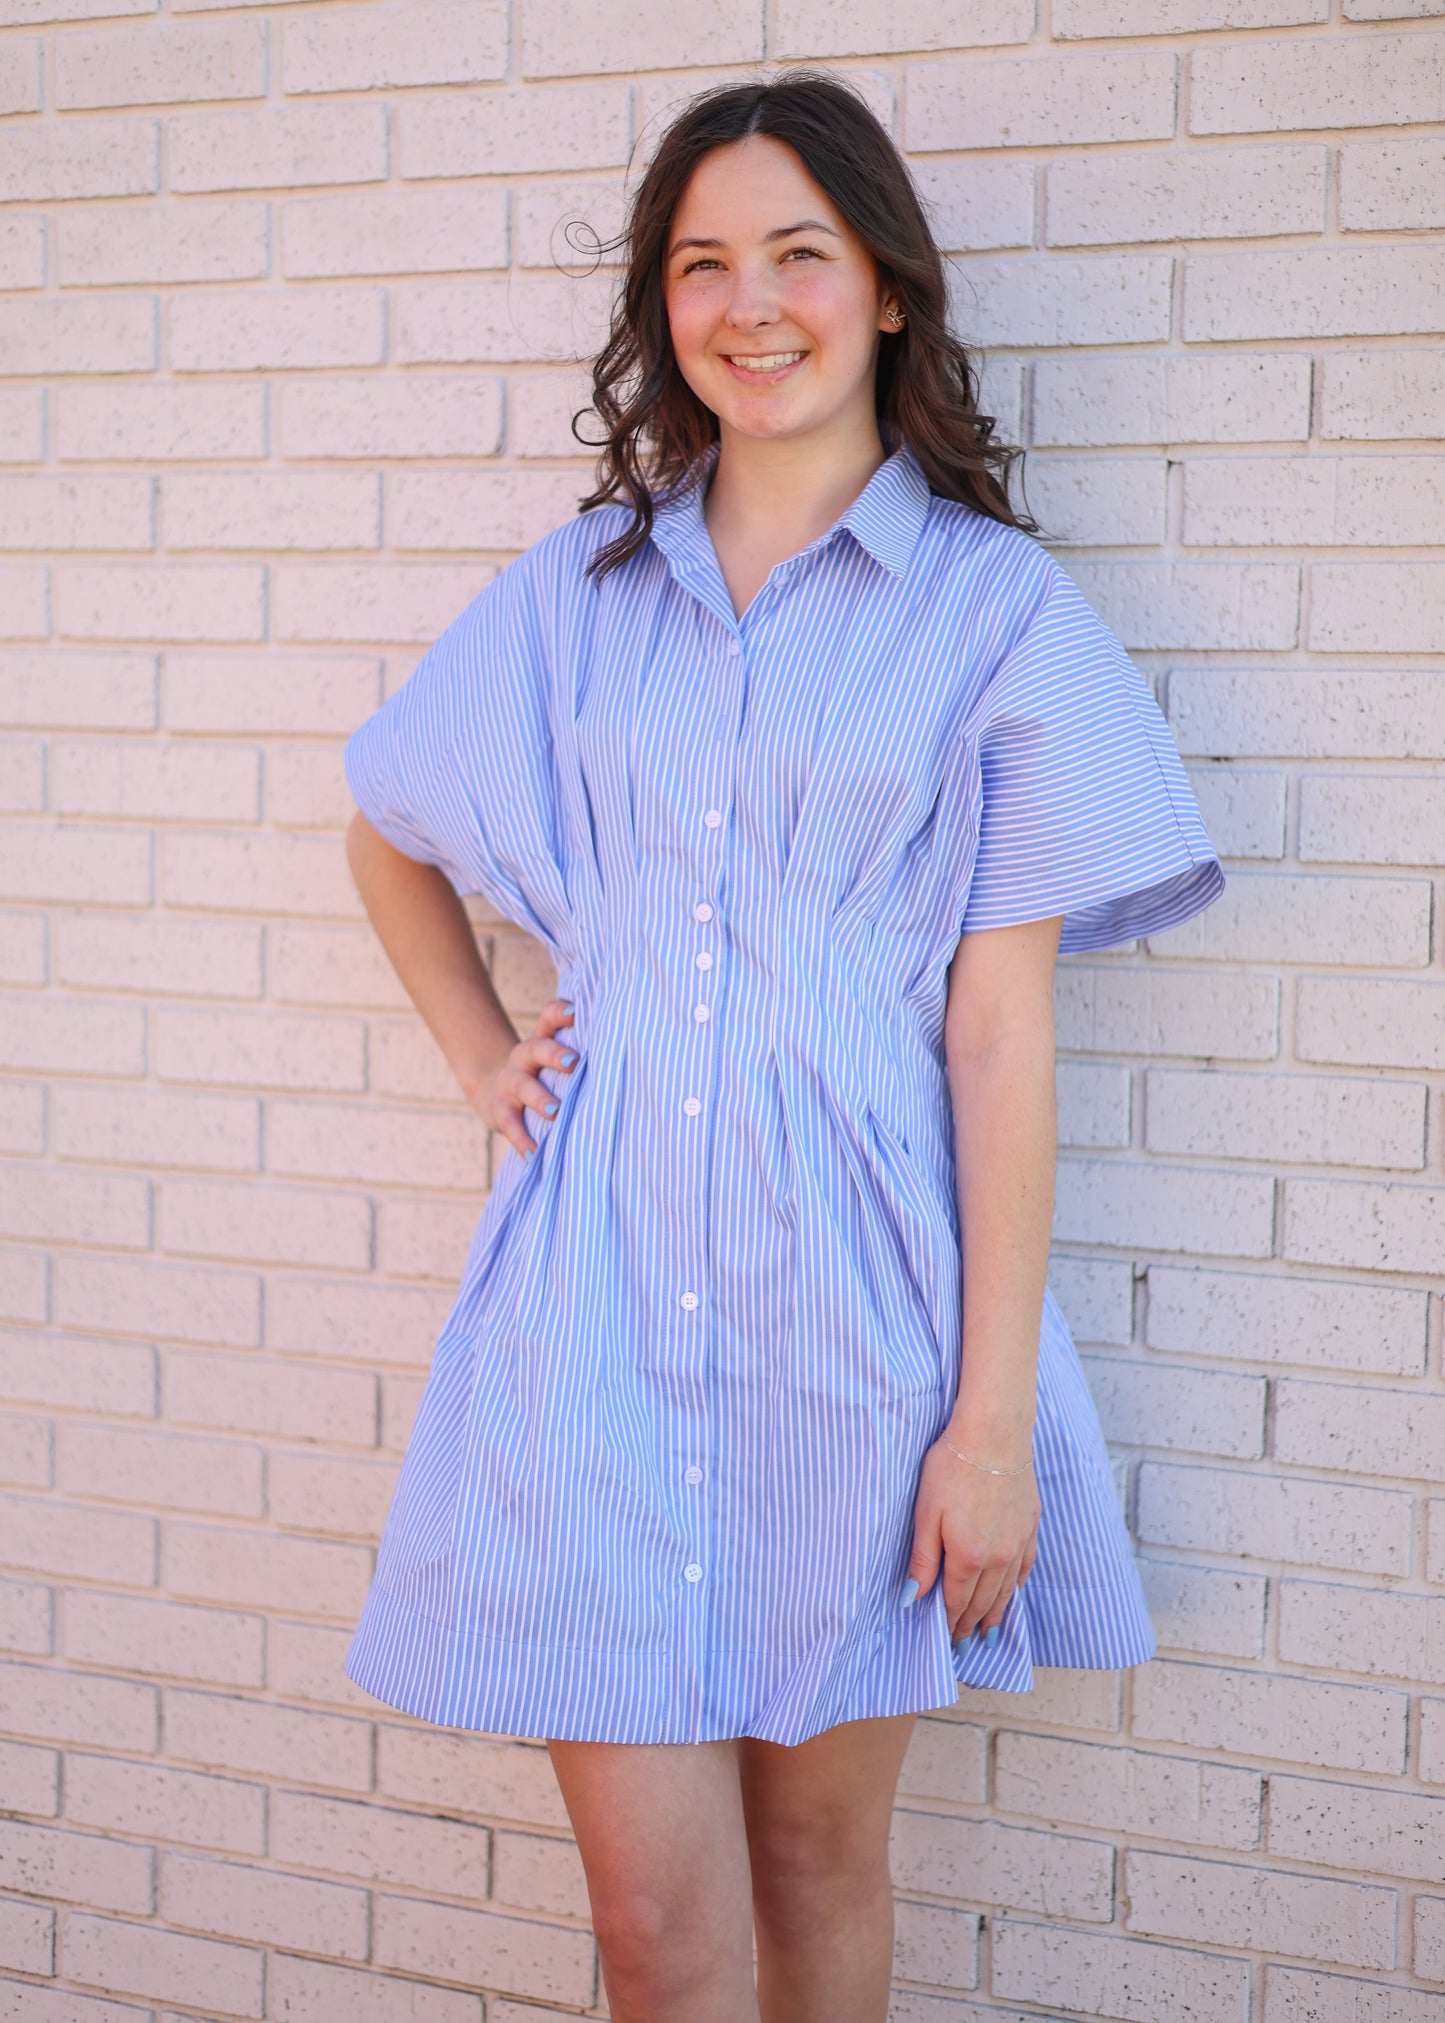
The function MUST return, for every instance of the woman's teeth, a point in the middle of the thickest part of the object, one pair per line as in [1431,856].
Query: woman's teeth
[769,362]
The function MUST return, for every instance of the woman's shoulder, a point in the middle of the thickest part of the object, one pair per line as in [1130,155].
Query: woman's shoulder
[986,563]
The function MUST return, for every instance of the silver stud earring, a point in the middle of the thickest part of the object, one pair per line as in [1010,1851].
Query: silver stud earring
[895,317]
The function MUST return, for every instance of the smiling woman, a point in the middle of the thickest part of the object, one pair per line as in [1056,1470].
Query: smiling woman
[753,1431]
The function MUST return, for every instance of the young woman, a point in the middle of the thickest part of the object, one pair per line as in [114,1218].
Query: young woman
[753,1430]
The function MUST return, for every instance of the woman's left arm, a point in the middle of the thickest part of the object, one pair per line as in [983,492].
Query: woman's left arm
[982,1527]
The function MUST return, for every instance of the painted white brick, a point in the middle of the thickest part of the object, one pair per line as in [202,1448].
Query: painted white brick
[1344,1826]
[22,424]
[1359,502]
[22,252]
[278,148]
[1301,1522]
[1093,1104]
[55,334]
[562,224]
[501,322]
[41,162]
[479,509]
[936,1945]
[136,66]
[159,422]
[1226,606]
[1040,101]
[1179,17]
[1370,1022]
[982,1862]
[1303,714]
[1379,395]
[836,28]
[1392,186]
[253,332]
[1347,291]
[1354,1629]
[1293,1995]
[1280,917]
[1127,1205]
[558,41]
[20,66]
[1116,1977]
[1274,87]
[1097,1295]
[496,133]
[1224,193]
[321,696]
[976,206]
[1319,1119]
[1099,501]
[429,415]
[1389,820]
[1126,1791]
[1332,1325]
[111,245]
[1235,397]
[1271,1716]
[1205,1609]
[93,776]
[1109,299]
[410,232]
[1198,1411]
[1432,1730]
[1429,1955]
[1377,607]
[274,509]
[1391,10]
[369,48]
[540,407]
[1374,1228]
[1306,1916]
[97,600]
[1367,1432]
[72,512]
[339,603]
[1113,1010]
[1243,809]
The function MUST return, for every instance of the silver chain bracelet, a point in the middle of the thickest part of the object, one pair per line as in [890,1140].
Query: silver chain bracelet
[979,1464]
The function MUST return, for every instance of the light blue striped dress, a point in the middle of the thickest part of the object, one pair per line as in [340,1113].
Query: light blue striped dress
[661,1482]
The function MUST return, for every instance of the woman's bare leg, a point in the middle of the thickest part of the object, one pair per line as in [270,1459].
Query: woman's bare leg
[663,1841]
[817,1818]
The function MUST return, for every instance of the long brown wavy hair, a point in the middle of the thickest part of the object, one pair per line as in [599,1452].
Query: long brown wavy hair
[655,427]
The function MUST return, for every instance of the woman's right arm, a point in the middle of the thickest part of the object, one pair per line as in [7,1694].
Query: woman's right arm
[428,939]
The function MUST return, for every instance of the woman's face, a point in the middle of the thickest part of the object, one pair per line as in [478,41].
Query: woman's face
[772,298]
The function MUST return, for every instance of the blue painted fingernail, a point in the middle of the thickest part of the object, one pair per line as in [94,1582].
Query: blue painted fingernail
[990,1636]
[568,1059]
[550,1108]
[910,1593]
[528,1150]
[568,1004]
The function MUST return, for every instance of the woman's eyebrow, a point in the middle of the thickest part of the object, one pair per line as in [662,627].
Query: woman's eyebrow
[778,232]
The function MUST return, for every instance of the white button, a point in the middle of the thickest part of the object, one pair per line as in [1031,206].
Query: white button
[702,911]
[702,1013]
[712,818]
[689,1300]
[691,1105]
[703,959]
[734,647]
[692,1571]
[692,1475]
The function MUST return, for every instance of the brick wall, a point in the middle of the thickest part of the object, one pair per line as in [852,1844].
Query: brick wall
[282,381]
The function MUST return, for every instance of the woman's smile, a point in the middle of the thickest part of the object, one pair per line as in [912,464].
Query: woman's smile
[766,365]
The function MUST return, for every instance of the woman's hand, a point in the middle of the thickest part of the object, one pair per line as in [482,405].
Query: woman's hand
[982,1529]
[499,1098]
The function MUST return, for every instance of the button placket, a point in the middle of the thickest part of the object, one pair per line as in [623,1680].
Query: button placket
[704,953]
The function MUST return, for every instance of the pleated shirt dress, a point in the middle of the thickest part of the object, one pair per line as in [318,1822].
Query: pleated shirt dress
[661,1482]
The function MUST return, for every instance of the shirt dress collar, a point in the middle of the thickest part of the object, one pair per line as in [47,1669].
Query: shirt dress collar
[886,518]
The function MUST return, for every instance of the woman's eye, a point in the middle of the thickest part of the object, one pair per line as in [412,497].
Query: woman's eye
[692,265]
[809,252]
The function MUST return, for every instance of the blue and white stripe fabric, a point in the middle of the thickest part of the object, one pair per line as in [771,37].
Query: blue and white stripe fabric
[661,1482]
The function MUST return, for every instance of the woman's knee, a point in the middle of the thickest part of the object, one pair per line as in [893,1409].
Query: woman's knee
[809,1873]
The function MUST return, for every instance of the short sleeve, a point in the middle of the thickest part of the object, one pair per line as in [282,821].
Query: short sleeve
[1084,807]
[455,769]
